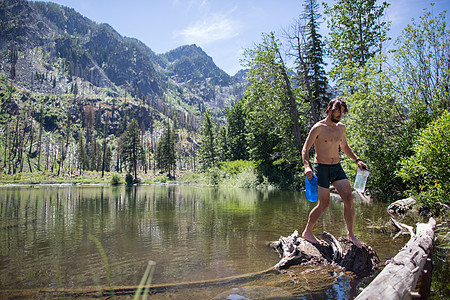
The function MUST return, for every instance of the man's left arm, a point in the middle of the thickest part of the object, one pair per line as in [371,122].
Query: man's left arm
[349,151]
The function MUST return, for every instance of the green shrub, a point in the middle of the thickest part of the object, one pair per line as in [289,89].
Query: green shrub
[191,177]
[213,176]
[129,179]
[239,174]
[427,172]
[115,179]
[236,166]
[246,178]
[379,135]
[161,178]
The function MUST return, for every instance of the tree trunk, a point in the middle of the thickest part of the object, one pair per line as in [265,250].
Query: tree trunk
[341,252]
[313,102]
[31,148]
[293,108]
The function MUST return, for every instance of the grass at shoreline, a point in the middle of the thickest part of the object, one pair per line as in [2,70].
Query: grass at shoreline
[242,178]
[86,177]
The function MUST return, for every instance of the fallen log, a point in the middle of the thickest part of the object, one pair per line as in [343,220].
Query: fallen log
[294,250]
[399,278]
[400,207]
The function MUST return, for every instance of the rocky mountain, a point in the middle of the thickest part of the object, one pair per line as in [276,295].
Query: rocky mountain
[52,49]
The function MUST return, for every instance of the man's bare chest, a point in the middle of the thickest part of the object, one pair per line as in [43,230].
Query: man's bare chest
[330,135]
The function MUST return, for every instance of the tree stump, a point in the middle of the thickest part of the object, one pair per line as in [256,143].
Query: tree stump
[295,250]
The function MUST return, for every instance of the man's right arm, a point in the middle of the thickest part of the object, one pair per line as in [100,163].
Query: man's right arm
[305,151]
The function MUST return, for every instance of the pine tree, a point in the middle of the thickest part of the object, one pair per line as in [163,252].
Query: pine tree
[315,72]
[132,149]
[236,142]
[223,144]
[208,154]
[81,153]
[165,151]
[307,49]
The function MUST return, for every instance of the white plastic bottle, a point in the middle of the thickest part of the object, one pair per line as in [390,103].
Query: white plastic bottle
[360,180]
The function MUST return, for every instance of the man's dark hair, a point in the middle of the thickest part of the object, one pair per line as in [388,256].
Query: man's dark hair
[337,103]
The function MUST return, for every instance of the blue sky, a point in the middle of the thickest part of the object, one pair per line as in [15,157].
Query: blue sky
[222,28]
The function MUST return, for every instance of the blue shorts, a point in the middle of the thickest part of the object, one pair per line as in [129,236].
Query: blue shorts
[327,174]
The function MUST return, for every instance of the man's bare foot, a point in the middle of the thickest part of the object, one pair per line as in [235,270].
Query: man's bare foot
[355,240]
[311,238]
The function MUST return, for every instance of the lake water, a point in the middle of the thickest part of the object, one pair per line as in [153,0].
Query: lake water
[48,238]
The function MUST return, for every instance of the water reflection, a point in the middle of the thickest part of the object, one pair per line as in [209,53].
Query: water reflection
[191,233]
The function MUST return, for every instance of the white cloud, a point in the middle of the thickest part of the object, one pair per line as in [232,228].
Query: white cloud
[215,28]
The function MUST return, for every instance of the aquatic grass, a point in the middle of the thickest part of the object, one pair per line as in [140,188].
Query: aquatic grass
[145,281]
[378,225]
[105,260]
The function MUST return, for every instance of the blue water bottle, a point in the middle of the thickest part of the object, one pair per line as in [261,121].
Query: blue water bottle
[311,187]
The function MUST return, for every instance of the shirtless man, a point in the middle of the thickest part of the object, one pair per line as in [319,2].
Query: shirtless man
[326,136]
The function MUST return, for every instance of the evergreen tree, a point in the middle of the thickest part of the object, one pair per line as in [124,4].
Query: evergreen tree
[132,149]
[314,64]
[236,142]
[81,153]
[208,154]
[307,49]
[223,144]
[165,151]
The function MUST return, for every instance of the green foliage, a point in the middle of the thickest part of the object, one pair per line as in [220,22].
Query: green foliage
[376,132]
[356,35]
[132,149]
[208,151]
[309,60]
[422,69]
[160,178]
[427,172]
[223,144]
[240,173]
[166,154]
[115,179]
[237,143]
[269,113]
[191,177]
[236,174]
[129,179]
[213,176]
[386,114]
[236,166]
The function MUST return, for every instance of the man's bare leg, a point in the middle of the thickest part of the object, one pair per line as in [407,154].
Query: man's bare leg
[345,191]
[315,214]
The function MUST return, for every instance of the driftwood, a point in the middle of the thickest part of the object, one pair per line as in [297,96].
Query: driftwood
[401,206]
[403,228]
[341,252]
[399,278]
